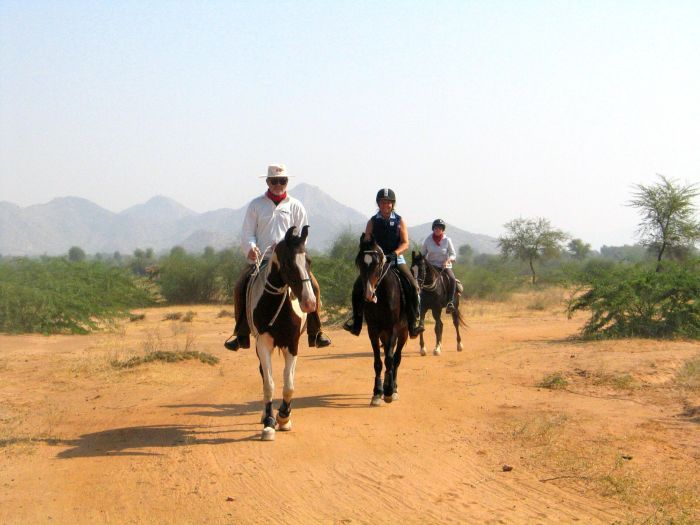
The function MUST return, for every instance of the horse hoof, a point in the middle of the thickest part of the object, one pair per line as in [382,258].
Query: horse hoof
[423,351]
[268,434]
[388,399]
[376,401]
[460,347]
[395,396]
[284,423]
[437,351]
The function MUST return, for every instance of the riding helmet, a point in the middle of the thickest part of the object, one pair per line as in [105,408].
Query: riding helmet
[439,222]
[386,193]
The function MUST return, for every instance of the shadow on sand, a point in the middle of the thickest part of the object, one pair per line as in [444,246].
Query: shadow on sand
[130,441]
[254,407]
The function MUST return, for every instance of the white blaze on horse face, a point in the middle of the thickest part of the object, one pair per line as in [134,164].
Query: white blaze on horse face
[414,271]
[308,298]
[368,259]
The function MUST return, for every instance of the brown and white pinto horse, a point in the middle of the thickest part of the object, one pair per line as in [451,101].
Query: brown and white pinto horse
[386,317]
[279,297]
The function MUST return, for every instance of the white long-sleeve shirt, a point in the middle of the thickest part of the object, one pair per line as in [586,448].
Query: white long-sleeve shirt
[266,224]
[437,254]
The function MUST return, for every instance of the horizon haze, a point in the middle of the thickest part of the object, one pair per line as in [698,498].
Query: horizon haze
[474,112]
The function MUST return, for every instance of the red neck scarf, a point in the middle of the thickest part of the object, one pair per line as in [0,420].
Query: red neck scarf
[276,198]
[437,238]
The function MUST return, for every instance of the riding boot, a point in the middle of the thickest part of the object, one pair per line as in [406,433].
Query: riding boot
[415,325]
[241,331]
[453,289]
[354,324]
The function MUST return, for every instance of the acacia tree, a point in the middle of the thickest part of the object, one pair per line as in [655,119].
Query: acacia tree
[531,240]
[668,217]
[578,249]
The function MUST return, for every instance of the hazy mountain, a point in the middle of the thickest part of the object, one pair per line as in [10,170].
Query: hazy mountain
[161,223]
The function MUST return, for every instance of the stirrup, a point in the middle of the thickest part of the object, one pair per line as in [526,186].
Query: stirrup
[450,307]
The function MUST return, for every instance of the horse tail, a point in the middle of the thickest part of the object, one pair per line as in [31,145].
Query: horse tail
[460,319]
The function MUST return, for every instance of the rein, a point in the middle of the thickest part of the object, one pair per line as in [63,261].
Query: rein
[433,285]
[270,288]
[382,270]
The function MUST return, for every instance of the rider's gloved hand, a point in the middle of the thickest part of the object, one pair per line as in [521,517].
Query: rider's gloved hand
[391,258]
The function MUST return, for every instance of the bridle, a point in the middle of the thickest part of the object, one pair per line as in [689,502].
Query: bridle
[283,290]
[382,270]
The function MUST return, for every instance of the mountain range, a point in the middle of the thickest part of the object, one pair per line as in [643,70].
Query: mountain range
[161,223]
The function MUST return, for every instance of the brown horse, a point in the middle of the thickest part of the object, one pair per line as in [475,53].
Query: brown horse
[434,295]
[385,313]
[279,297]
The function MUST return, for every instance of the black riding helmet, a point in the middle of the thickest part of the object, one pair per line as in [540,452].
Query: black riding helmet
[440,223]
[386,193]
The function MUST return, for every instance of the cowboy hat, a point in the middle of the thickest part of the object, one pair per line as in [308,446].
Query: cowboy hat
[276,170]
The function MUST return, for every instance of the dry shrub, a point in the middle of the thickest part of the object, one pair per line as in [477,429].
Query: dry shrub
[225,313]
[172,316]
[136,317]
[188,317]
[689,375]
[553,381]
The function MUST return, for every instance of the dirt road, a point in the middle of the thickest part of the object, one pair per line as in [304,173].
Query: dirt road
[83,442]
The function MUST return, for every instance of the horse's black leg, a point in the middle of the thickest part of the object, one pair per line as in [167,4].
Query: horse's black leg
[377,392]
[389,378]
[455,321]
[397,361]
[437,314]
[422,322]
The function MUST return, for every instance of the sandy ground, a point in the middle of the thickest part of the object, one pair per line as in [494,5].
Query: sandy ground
[84,442]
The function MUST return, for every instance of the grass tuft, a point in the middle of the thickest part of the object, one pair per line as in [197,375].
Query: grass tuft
[553,381]
[166,356]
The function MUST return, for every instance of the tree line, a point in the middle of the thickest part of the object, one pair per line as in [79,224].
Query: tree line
[625,288]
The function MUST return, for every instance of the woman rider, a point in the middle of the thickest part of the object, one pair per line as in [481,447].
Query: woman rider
[439,251]
[390,233]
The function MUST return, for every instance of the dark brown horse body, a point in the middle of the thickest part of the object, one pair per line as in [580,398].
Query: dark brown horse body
[279,297]
[385,315]
[434,295]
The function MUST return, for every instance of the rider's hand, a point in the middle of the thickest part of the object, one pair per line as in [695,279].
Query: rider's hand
[444,264]
[253,253]
[391,257]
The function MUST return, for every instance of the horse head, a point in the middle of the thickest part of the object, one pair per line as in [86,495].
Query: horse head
[371,262]
[418,267]
[293,267]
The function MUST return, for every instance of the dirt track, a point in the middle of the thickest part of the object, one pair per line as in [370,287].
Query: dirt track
[81,442]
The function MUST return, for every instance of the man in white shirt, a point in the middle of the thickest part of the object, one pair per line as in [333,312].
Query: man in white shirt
[267,220]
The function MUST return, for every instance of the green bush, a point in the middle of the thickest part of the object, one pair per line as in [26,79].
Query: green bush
[637,301]
[494,282]
[53,295]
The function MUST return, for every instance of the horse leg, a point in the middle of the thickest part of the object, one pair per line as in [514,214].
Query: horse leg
[422,341]
[437,314]
[263,347]
[284,421]
[455,321]
[397,361]
[389,372]
[378,391]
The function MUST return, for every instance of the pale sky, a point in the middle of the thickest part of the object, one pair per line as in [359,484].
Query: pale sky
[477,112]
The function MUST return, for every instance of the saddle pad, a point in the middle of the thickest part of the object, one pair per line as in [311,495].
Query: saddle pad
[255,289]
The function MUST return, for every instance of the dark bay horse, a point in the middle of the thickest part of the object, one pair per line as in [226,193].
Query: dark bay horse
[385,315]
[279,297]
[434,295]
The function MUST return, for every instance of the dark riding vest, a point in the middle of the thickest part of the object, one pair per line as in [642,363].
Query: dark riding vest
[387,231]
